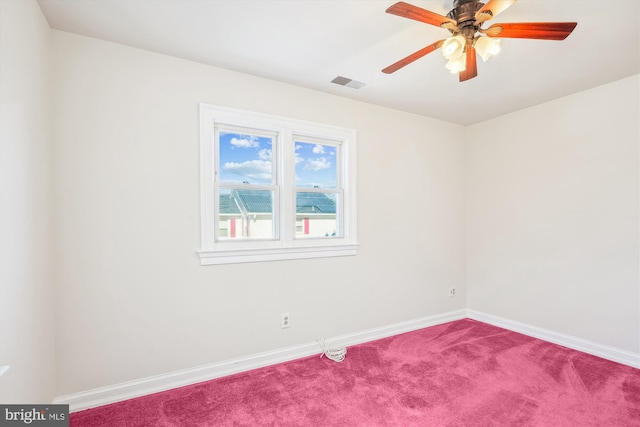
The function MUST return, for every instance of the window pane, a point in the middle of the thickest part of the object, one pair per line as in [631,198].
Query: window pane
[245,158]
[316,215]
[245,214]
[316,165]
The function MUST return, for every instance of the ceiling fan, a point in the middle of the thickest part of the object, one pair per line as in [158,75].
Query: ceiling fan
[464,22]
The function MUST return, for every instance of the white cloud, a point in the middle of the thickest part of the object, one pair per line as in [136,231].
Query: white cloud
[318,149]
[252,169]
[318,164]
[248,142]
[298,158]
[264,154]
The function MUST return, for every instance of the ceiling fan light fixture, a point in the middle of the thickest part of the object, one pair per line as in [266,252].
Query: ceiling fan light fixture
[457,65]
[487,47]
[453,47]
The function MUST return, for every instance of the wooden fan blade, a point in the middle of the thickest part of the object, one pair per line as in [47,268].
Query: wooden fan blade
[409,59]
[471,69]
[416,13]
[531,30]
[491,9]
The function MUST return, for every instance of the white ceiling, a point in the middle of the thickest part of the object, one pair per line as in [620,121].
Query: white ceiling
[309,42]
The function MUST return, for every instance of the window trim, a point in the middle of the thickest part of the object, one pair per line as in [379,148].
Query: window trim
[286,246]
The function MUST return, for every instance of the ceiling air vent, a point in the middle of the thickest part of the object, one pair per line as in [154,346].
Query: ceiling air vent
[344,81]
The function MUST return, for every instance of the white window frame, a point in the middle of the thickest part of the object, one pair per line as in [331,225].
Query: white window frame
[285,246]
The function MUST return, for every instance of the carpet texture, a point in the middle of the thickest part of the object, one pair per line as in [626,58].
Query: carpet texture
[463,373]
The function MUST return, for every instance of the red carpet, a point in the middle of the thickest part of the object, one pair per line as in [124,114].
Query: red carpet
[463,373]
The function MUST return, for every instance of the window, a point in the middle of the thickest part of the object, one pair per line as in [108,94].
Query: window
[274,188]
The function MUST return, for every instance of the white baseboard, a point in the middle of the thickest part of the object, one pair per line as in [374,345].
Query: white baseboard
[119,392]
[600,350]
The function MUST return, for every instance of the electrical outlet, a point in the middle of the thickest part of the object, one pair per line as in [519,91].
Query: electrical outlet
[452,292]
[285,321]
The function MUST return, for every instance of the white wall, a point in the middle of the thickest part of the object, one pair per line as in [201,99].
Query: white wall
[134,301]
[553,216]
[26,268]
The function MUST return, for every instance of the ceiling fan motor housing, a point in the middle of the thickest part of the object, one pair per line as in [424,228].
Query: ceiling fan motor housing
[464,12]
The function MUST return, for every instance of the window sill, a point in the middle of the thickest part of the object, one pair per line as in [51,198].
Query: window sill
[216,257]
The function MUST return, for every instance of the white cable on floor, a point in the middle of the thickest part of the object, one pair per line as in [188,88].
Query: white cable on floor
[334,353]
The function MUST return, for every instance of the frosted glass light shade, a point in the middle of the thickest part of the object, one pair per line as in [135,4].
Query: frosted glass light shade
[487,47]
[457,64]
[453,47]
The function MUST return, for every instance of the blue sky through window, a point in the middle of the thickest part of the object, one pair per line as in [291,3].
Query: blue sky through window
[245,158]
[248,158]
[315,165]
